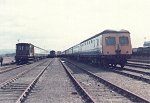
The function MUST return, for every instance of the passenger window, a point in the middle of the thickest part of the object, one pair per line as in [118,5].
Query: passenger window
[110,40]
[94,43]
[100,41]
[18,47]
[97,42]
[123,40]
[27,48]
[22,47]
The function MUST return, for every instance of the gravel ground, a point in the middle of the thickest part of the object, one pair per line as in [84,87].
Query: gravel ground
[99,92]
[54,87]
[138,87]
[8,59]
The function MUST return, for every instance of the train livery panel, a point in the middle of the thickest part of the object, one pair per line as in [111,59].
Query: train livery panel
[91,46]
[26,52]
[107,48]
[116,43]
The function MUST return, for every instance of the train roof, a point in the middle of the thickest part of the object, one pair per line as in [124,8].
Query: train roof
[24,44]
[114,31]
[32,45]
[106,32]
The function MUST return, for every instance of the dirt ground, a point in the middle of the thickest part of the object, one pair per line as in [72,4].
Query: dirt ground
[8,60]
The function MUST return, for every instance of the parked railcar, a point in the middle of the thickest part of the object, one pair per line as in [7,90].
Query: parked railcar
[134,51]
[26,52]
[146,51]
[52,54]
[58,54]
[106,48]
[141,51]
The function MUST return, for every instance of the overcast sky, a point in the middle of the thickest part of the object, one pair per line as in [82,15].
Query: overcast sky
[60,24]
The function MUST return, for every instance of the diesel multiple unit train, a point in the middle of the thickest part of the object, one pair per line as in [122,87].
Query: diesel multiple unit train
[26,52]
[107,48]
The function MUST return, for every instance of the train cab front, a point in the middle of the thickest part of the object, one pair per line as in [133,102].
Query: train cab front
[117,48]
[22,52]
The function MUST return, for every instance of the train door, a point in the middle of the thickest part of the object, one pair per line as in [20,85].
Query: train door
[31,50]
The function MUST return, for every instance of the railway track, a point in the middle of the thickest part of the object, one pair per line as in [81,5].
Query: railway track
[16,88]
[100,84]
[5,67]
[13,78]
[78,87]
[140,60]
[138,64]
[11,72]
[136,70]
[54,87]
[132,73]
[9,68]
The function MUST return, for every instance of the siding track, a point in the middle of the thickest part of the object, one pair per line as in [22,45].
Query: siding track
[138,64]
[125,94]
[135,74]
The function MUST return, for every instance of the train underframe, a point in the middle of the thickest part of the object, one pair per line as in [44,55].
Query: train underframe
[25,59]
[104,60]
[114,60]
[21,60]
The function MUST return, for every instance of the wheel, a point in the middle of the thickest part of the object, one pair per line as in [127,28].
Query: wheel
[114,65]
[105,64]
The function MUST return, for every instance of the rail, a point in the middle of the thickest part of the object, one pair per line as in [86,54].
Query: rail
[31,85]
[85,95]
